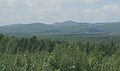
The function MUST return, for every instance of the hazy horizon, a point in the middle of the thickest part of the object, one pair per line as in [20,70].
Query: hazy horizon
[58,22]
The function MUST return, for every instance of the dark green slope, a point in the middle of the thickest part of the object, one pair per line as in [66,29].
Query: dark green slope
[112,28]
[24,28]
[73,27]
[67,27]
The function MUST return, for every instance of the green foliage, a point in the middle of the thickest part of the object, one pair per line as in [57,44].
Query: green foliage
[34,54]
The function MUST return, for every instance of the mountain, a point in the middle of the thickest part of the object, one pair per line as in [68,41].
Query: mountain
[67,27]
[112,28]
[73,27]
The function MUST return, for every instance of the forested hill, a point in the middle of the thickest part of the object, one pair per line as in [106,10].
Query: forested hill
[67,27]
[35,54]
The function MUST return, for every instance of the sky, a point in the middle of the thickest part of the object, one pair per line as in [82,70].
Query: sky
[51,11]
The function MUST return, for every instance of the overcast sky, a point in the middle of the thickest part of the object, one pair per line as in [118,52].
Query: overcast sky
[51,11]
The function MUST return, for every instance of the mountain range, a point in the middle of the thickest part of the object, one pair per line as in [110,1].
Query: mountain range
[67,27]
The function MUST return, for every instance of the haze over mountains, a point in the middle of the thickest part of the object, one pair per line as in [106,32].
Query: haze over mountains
[67,27]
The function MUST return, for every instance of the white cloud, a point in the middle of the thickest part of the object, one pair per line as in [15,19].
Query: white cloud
[7,2]
[90,1]
[108,12]
[42,4]
[55,10]
[45,2]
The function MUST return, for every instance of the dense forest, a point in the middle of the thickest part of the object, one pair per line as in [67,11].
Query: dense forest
[44,54]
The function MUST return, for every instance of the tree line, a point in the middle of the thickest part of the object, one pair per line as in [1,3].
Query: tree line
[36,54]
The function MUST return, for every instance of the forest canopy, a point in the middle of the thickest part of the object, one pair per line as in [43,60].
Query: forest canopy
[38,54]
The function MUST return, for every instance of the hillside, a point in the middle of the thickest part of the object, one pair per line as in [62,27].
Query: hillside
[67,27]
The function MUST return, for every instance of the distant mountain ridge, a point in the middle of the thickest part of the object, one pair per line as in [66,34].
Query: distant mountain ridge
[67,27]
